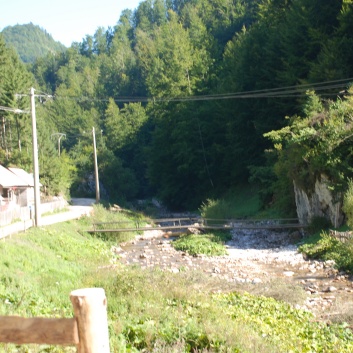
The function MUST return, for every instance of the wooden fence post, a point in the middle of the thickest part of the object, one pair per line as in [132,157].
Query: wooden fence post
[90,308]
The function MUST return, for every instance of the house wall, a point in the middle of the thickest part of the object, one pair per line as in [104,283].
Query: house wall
[8,197]
[25,196]
[2,201]
[21,194]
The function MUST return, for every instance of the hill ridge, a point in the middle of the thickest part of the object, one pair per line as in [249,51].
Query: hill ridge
[31,41]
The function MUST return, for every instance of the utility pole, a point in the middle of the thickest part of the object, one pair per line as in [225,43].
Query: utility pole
[35,161]
[95,165]
[60,137]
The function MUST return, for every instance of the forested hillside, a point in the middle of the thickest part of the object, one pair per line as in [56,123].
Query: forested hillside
[181,94]
[31,41]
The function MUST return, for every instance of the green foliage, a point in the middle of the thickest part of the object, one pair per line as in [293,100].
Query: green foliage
[275,320]
[123,125]
[182,171]
[31,41]
[210,244]
[16,129]
[56,172]
[125,133]
[317,144]
[119,180]
[330,248]
[275,189]
[120,71]
[171,64]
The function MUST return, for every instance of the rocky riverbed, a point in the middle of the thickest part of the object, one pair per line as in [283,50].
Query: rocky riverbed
[255,259]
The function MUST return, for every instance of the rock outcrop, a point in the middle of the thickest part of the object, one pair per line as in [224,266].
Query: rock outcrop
[319,202]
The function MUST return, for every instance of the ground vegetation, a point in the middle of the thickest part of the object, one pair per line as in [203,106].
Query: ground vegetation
[149,310]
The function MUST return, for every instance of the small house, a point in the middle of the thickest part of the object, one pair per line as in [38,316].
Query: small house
[16,187]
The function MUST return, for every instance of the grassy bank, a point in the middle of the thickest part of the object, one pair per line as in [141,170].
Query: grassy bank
[148,310]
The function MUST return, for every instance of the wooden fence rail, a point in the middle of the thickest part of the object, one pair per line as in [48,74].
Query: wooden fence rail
[88,330]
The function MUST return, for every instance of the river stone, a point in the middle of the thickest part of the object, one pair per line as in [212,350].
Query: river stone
[193,230]
[256,281]
[331,289]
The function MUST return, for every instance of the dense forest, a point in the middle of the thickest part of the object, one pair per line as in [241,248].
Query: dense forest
[190,99]
[31,41]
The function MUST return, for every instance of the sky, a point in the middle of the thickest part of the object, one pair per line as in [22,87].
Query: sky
[66,20]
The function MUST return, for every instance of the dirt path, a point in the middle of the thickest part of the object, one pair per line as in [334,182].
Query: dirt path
[254,260]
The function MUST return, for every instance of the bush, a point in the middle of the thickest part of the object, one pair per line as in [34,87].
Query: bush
[318,224]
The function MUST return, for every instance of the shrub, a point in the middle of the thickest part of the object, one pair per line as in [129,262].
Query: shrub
[318,224]
[329,248]
[211,244]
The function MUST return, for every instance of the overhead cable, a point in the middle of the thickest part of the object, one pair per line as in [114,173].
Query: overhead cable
[280,92]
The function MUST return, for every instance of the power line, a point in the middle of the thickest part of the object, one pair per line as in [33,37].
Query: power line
[44,95]
[14,110]
[296,91]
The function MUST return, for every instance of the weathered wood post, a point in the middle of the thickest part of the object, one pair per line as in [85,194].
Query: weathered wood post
[90,308]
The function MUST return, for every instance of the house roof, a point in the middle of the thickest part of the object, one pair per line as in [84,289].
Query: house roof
[9,179]
[23,175]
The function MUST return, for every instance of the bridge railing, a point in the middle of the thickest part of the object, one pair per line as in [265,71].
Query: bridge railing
[129,224]
[252,223]
[138,224]
[205,223]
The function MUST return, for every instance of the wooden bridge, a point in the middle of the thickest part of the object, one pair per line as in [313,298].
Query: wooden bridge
[173,224]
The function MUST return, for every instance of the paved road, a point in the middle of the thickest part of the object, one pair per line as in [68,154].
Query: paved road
[78,208]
